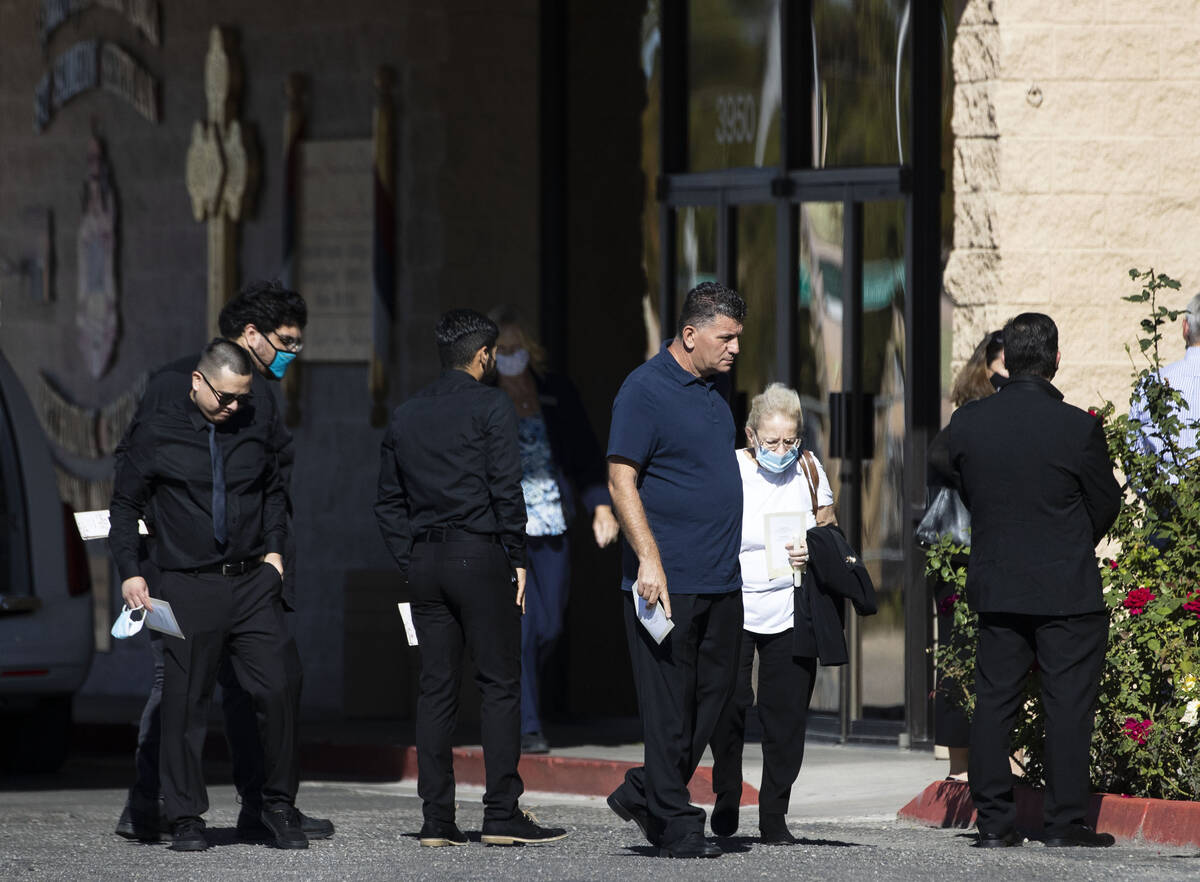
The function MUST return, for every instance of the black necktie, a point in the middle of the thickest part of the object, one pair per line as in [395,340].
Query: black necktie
[218,481]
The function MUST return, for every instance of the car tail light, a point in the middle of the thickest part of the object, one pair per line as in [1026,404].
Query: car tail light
[79,574]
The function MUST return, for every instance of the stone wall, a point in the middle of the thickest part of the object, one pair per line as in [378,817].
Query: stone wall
[1075,159]
[467,171]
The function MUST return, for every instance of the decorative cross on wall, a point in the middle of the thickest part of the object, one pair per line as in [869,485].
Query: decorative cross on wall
[222,169]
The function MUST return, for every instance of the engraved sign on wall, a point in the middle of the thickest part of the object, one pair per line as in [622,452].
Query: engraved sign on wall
[333,261]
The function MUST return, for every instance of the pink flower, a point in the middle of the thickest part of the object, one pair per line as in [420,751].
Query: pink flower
[1137,730]
[946,604]
[1113,563]
[1137,600]
[1193,606]
[1093,411]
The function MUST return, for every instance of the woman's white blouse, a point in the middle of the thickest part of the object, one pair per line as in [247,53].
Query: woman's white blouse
[769,604]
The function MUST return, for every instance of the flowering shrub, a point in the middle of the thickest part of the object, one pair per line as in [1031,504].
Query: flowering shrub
[1147,734]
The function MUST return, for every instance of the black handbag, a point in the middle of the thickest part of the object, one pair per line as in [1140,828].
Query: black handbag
[945,516]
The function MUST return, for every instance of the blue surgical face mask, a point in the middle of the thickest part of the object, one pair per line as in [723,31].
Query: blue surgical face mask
[279,363]
[776,462]
[513,364]
[129,622]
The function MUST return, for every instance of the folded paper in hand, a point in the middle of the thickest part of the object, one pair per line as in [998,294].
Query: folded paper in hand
[653,619]
[410,630]
[162,619]
[95,524]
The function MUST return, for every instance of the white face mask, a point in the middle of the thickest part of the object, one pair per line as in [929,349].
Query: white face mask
[126,624]
[511,365]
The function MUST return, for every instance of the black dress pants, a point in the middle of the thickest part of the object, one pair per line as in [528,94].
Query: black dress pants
[241,616]
[1070,655]
[682,687]
[785,687]
[241,721]
[463,594]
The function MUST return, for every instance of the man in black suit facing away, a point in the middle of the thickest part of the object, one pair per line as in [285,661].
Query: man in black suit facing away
[1036,476]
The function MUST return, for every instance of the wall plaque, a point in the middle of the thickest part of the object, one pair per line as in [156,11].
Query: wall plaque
[333,256]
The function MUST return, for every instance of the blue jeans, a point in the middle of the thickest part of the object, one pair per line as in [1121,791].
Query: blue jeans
[547,585]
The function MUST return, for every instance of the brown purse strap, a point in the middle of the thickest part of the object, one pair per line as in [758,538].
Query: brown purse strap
[810,472]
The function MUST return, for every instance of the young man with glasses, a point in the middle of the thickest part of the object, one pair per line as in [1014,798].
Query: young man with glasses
[267,321]
[201,467]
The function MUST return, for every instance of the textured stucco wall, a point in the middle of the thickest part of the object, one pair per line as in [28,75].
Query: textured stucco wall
[1075,158]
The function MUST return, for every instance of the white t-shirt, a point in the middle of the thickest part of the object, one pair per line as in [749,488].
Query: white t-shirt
[769,603]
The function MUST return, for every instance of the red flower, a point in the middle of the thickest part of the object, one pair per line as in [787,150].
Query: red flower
[1137,730]
[946,604]
[1093,411]
[1192,606]
[1113,563]
[1137,599]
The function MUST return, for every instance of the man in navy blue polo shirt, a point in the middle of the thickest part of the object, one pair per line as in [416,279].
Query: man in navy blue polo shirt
[676,488]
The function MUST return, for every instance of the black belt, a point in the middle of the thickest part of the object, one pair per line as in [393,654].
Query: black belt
[232,568]
[445,534]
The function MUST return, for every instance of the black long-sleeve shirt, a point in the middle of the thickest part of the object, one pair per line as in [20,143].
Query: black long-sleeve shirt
[451,459]
[165,470]
[173,380]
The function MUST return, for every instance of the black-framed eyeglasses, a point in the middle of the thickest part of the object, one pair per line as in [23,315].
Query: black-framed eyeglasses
[224,399]
[290,344]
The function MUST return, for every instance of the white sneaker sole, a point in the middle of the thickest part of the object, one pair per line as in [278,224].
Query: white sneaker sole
[440,842]
[518,840]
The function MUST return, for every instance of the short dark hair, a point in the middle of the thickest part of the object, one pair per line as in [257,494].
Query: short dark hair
[222,354]
[1031,345]
[707,301]
[265,304]
[460,334]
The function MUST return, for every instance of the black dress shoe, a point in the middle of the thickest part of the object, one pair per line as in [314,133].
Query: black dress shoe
[436,834]
[627,812]
[693,845]
[534,742]
[1011,839]
[315,828]
[188,835]
[1079,836]
[521,829]
[724,819]
[283,822]
[772,829]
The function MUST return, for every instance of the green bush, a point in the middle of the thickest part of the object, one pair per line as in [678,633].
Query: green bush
[1146,740]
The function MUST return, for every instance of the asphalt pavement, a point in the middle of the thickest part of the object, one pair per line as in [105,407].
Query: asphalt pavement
[60,828]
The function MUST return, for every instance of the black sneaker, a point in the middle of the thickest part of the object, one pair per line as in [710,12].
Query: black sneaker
[534,742]
[436,834]
[521,829]
[315,828]
[724,818]
[693,845]
[143,819]
[283,822]
[188,835]
[250,827]
[772,829]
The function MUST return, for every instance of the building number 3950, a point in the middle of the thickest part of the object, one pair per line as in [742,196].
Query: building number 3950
[737,116]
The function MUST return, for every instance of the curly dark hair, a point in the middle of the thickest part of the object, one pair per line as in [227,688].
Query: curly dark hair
[265,304]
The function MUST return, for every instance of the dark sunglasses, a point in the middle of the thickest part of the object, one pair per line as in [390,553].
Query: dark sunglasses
[224,399]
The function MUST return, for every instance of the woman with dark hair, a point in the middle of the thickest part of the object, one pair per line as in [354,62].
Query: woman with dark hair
[560,458]
[982,375]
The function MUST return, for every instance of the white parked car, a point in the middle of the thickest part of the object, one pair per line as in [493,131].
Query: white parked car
[46,636]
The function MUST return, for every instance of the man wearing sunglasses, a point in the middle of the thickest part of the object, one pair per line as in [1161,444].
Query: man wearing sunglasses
[267,321]
[201,466]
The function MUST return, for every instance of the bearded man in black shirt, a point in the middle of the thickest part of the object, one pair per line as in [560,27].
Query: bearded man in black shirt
[203,469]
[452,513]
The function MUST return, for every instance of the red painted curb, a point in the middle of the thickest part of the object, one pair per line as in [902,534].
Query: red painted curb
[1166,821]
[549,773]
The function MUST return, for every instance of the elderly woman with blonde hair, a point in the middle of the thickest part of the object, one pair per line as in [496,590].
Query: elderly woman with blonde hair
[777,477]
